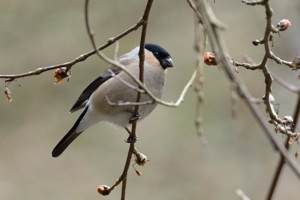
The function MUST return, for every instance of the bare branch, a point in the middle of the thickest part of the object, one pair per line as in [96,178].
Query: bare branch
[193,6]
[246,65]
[217,44]
[282,158]
[199,46]
[143,21]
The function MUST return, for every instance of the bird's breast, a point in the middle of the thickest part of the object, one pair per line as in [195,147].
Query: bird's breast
[114,100]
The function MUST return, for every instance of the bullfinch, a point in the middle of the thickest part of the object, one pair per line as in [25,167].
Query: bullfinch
[100,98]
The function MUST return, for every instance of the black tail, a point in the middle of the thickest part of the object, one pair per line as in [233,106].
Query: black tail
[69,137]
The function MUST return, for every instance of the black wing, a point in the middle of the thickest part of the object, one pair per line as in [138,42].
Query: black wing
[88,91]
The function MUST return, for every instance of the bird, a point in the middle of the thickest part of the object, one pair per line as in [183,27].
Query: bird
[99,100]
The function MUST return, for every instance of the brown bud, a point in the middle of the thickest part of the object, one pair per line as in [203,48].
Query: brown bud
[103,189]
[210,59]
[283,24]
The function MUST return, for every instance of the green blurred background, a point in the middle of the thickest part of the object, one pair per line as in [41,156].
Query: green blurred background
[38,33]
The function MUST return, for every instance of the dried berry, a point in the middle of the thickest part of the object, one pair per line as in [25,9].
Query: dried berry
[61,73]
[210,59]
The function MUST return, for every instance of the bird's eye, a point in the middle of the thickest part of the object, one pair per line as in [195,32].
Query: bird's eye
[156,53]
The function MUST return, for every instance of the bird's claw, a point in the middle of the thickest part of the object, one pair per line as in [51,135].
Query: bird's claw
[134,117]
[131,139]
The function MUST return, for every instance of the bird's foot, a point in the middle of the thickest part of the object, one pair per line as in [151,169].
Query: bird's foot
[131,139]
[134,117]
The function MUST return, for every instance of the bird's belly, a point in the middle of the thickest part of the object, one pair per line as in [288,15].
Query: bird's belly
[123,117]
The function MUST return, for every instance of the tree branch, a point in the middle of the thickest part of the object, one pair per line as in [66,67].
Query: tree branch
[143,21]
[218,46]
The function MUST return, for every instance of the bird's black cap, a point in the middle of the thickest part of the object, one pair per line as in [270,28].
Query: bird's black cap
[161,54]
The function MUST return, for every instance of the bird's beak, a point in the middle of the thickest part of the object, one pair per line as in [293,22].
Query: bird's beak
[166,63]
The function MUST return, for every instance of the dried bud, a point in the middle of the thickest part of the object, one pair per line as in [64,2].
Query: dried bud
[283,24]
[7,94]
[103,189]
[210,59]
[61,73]
[140,159]
[255,42]
[297,153]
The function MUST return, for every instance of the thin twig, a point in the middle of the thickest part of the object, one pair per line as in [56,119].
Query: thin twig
[282,158]
[125,82]
[269,55]
[143,21]
[116,50]
[138,98]
[246,65]
[193,6]
[122,103]
[123,176]
[285,84]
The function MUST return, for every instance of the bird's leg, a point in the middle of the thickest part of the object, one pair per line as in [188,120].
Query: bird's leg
[134,116]
[131,138]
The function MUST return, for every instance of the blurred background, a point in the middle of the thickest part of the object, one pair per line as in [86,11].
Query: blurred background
[39,33]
